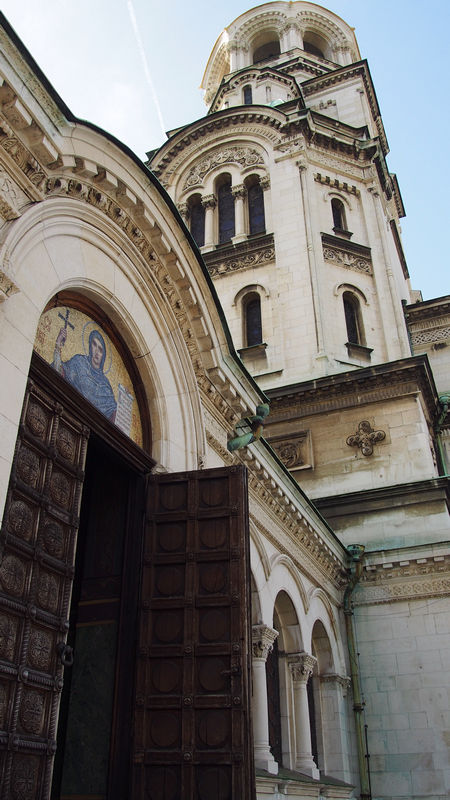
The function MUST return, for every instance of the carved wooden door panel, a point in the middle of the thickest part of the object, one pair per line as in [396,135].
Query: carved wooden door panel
[192,737]
[37,551]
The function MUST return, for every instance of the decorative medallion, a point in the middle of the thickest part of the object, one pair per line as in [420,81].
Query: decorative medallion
[52,539]
[37,420]
[365,438]
[40,649]
[8,633]
[60,489]
[12,575]
[47,593]
[28,466]
[65,444]
[20,519]
[32,712]
[24,777]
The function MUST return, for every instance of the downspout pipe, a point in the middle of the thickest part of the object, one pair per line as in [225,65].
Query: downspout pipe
[355,553]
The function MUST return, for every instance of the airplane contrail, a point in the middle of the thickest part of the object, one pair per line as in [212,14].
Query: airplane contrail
[145,65]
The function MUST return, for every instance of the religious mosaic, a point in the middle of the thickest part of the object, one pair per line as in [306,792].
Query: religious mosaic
[78,348]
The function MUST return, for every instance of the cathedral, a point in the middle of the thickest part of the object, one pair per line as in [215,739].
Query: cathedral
[224,473]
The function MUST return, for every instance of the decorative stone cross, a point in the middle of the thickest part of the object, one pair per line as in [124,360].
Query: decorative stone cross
[365,438]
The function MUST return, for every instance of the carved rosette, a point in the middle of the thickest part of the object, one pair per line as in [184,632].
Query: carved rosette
[301,666]
[365,438]
[263,638]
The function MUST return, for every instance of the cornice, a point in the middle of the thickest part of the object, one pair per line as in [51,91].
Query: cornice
[360,386]
[385,497]
[428,309]
[266,119]
[404,577]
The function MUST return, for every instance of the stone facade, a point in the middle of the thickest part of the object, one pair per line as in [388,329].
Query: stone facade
[354,364]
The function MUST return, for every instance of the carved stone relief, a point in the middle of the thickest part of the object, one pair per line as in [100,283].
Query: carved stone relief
[244,156]
[294,451]
[346,258]
[365,438]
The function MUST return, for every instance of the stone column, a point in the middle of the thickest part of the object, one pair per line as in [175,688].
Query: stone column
[209,203]
[239,194]
[263,638]
[333,690]
[264,182]
[301,666]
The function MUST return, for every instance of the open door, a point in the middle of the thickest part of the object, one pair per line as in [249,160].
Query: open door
[192,736]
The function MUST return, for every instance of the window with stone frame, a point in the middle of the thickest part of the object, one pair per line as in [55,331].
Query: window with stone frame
[197,219]
[225,206]
[252,319]
[255,203]
[248,95]
[338,212]
[353,319]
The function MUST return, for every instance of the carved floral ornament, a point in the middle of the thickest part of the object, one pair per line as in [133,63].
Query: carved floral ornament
[244,156]
[263,639]
[365,437]
[301,666]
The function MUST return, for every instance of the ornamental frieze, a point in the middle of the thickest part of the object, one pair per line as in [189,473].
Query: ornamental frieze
[244,156]
[242,256]
[344,257]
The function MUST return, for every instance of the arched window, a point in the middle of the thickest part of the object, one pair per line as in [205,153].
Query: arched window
[355,334]
[225,202]
[197,219]
[315,45]
[338,212]
[252,320]
[311,48]
[248,95]
[267,50]
[255,200]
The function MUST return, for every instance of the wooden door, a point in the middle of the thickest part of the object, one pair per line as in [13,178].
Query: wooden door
[192,737]
[38,542]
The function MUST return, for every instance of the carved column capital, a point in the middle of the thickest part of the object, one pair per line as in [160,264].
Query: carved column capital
[302,164]
[264,182]
[337,680]
[301,666]
[239,191]
[183,208]
[263,638]
[209,201]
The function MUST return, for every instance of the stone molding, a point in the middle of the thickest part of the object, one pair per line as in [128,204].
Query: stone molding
[250,253]
[263,639]
[343,681]
[405,579]
[346,254]
[335,183]
[301,666]
[349,389]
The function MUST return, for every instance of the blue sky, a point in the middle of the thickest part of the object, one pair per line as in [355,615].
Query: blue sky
[88,50]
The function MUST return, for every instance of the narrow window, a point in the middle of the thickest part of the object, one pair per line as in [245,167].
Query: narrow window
[255,199]
[311,48]
[226,211]
[252,320]
[248,95]
[338,211]
[352,319]
[197,220]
